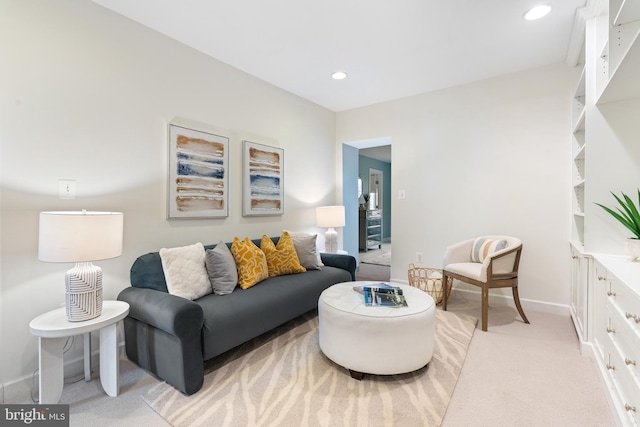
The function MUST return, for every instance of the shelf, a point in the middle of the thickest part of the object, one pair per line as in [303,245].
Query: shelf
[624,82]
[578,213]
[579,246]
[579,183]
[579,121]
[580,88]
[629,11]
[580,153]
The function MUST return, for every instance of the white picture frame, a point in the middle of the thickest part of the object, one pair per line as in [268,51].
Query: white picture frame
[198,174]
[263,180]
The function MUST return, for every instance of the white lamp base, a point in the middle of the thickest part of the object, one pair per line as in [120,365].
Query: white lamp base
[83,292]
[331,241]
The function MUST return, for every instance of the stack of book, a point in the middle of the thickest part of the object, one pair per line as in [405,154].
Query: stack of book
[381,294]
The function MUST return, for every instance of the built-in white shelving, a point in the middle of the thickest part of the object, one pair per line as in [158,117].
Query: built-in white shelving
[604,294]
[629,11]
[579,153]
[623,53]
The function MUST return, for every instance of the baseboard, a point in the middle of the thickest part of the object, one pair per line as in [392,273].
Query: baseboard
[504,300]
[20,390]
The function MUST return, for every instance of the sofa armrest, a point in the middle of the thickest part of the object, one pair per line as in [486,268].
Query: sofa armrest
[175,315]
[345,262]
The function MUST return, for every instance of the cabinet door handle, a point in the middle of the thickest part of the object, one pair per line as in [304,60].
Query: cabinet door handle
[611,294]
[601,278]
[611,367]
[611,331]
[629,362]
[629,408]
[574,257]
[629,315]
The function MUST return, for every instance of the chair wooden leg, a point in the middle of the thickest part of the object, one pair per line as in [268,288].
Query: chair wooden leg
[485,307]
[516,298]
[445,290]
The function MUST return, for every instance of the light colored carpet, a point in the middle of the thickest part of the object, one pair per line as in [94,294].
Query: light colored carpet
[373,272]
[377,256]
[513,375]
[283,379]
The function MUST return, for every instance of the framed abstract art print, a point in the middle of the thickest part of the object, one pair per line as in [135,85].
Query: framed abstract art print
[263,180]
[198,174]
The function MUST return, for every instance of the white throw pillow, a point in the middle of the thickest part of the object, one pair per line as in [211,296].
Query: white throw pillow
[484,247]
[305,245]
[185,271]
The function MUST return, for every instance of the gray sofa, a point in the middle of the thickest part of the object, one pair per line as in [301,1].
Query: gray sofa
[172,336]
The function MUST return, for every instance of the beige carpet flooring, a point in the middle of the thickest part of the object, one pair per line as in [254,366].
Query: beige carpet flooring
[283,379]
[514,375]
[380,256]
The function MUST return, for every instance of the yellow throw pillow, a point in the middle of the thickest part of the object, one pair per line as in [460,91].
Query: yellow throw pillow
[250,262]
[281,259]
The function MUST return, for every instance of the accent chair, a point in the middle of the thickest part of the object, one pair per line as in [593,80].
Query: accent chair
[488,262]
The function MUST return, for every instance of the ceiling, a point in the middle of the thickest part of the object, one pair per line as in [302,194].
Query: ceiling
[381,152]
[389,48]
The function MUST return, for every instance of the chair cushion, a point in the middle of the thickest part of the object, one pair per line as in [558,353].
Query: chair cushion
[483,247]
[472,270]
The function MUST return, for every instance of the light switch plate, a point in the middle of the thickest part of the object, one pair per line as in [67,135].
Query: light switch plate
[67,189]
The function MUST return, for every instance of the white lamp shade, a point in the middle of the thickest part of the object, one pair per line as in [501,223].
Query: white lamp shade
[80,236]
[330,216]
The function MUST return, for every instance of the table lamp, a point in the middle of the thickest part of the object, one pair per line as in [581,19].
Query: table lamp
[81,237]
[330,217]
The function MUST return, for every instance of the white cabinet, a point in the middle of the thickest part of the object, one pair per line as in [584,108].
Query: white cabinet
[580,298]
[616,335]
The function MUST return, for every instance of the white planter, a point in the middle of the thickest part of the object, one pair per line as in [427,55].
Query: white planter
[633,249]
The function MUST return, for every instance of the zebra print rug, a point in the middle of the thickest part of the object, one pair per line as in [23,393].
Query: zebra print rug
[283,379]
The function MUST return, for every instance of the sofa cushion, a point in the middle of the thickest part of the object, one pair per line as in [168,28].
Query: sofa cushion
[185,272]
[221,268]
[250,262]
[240,316]
[281,259]
[305,245]
[483,247]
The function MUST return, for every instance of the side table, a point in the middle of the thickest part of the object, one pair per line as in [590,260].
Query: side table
[53,328]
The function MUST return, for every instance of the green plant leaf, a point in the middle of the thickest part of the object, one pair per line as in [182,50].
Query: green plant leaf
[633,211]
[627,213]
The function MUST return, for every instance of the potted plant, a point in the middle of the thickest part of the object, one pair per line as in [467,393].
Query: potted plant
[629,216]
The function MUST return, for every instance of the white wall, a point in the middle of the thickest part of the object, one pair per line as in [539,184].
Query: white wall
[86,94]
[484,158]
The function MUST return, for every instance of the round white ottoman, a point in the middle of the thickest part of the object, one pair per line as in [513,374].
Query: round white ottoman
[376,340]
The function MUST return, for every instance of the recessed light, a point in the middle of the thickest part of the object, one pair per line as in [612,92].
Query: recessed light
[339,75]
[537,12]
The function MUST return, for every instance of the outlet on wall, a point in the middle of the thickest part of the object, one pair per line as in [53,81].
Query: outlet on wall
[418,256]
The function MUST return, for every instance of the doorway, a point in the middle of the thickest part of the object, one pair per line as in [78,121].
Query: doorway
[368,165]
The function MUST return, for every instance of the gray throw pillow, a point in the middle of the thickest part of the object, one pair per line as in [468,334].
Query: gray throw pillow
[305,245]
[221,268]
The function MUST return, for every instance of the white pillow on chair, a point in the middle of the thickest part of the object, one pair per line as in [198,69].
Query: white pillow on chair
[483,247]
